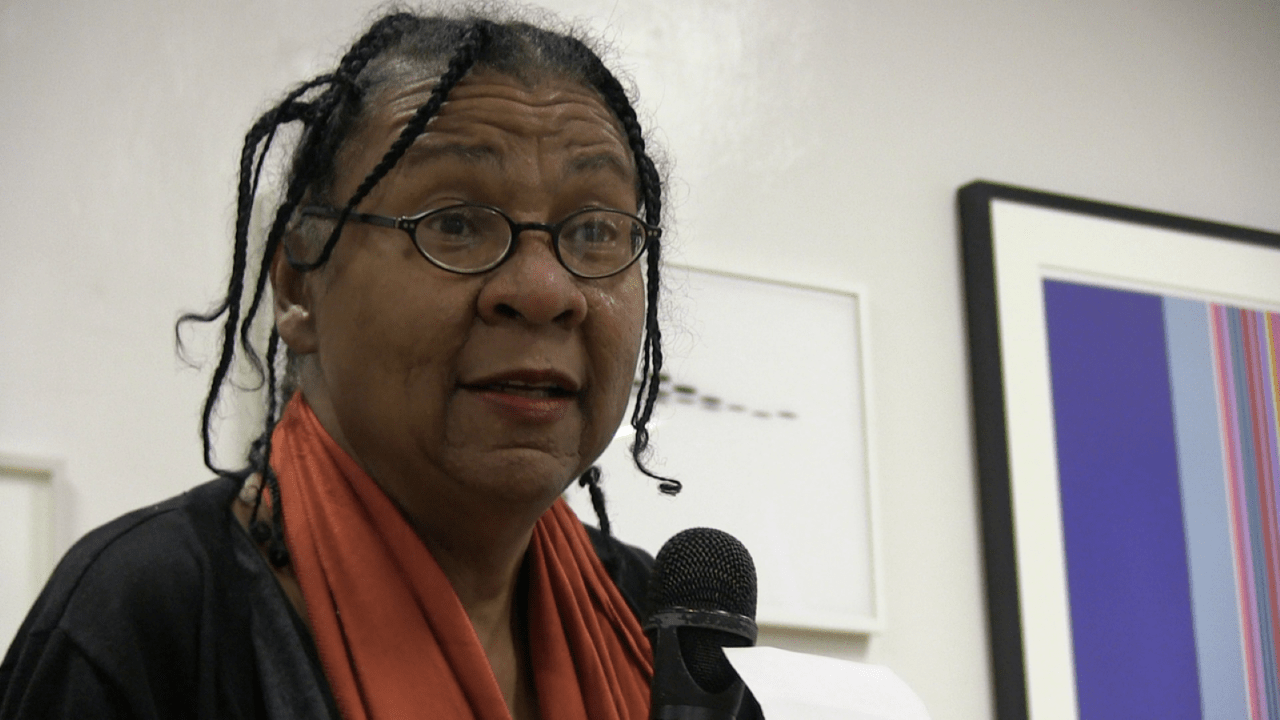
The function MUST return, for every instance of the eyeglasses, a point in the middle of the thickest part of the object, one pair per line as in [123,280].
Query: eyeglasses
[469,238]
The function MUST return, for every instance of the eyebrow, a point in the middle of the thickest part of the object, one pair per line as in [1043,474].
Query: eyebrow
[603,160]
[417,154]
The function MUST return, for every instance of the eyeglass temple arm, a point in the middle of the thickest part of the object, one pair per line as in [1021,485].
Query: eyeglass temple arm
[334,213]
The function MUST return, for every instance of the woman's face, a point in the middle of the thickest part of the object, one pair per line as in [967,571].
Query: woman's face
[499,387]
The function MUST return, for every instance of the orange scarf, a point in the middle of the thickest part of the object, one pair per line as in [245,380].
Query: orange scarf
[393,637]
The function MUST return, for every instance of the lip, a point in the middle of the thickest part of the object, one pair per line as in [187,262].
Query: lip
[527,396]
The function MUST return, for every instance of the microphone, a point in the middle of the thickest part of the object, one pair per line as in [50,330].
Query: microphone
[702,597]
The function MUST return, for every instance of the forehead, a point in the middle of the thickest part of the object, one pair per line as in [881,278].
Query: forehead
[492,117]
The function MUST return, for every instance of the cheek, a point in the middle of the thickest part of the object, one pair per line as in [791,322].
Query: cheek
[391,341]
[622,312]
[635,305]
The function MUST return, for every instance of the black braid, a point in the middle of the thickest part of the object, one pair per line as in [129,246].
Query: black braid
[292,109]
[257,145]
[272,534]
[231,304]
[591,481]
[376,39]
[458,66]
[474,42]
[341,87]
[650,187]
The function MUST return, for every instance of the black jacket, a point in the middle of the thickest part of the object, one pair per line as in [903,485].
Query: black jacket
[169,612]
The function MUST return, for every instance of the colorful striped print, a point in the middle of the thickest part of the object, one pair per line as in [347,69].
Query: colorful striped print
[1248,385]
[1165,422]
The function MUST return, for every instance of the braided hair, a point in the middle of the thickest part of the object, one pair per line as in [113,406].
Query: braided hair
[327,108]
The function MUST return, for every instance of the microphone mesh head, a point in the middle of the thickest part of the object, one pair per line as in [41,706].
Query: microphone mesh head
[705,569]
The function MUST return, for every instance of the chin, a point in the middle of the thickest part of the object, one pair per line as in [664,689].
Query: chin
[524,476]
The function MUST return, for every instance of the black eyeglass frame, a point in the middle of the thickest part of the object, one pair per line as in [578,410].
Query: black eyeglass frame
[409,224]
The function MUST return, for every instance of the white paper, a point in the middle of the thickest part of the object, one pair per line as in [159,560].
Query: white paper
[796,686]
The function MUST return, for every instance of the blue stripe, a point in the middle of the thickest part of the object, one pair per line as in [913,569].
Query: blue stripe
[1206,515]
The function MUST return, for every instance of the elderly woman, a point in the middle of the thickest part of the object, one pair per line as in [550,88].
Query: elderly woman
[453,266]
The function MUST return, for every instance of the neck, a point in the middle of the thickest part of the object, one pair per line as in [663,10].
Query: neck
[483,567]
[488,578]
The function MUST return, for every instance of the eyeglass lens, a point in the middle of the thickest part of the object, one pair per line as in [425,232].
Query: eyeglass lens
[592,243]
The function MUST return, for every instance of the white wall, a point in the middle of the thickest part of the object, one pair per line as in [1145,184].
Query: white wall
[815,141]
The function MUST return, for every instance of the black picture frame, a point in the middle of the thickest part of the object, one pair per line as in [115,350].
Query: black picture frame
[1254,254]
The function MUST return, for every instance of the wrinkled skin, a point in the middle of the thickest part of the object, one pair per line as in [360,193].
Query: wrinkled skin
[405,358]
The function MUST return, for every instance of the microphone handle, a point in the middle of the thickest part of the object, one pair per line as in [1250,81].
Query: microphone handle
[674,689]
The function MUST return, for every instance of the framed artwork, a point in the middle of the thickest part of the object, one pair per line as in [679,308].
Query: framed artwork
[1126,391]
[28,535]
[763,421]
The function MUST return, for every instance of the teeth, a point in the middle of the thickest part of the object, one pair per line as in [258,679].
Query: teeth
[529,389]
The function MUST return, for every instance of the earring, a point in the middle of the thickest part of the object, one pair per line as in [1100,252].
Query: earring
[295,313]
[250,490]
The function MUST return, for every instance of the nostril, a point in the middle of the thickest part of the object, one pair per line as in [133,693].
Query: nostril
[506,311]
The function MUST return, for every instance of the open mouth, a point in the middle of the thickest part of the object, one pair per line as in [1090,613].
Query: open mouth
[529,390]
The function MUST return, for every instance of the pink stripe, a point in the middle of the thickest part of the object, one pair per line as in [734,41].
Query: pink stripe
[1254,515]
[1269,493]
[1269,497]
[1266,481]
[1269,485]
[1257,391]
[1239,513]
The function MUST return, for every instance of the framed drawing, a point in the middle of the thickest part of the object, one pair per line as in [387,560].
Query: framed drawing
[1126,394]
[763,420]
[28,535]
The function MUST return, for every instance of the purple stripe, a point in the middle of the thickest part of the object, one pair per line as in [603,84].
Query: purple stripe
[1121,506]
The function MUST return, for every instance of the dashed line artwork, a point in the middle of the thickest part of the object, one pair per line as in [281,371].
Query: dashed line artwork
[761,417]
[685,394]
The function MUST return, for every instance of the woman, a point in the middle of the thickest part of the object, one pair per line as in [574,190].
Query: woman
[453,273]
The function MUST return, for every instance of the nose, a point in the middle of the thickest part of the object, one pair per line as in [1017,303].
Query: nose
[532,286]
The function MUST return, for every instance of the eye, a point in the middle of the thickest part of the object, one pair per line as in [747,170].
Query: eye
[595,229]
[463,238]
[460,224]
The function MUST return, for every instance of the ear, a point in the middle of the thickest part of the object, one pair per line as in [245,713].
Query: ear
[292,304]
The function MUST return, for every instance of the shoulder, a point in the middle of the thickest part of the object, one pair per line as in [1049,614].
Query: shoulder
[129,593]
[146,554]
